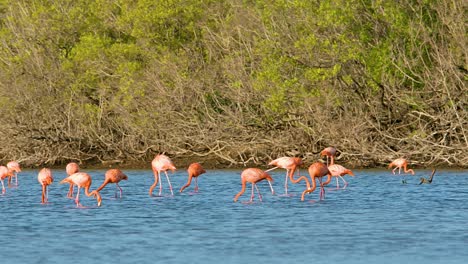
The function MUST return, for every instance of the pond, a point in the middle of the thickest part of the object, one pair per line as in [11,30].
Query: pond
[376,219]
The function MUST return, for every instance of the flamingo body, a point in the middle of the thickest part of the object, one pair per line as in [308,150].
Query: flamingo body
[329,152]
[253,175]
[4,173]
[316,171]
[161,163]
[398,164]
[71,168]
[45,178]
[288,163]
[194,170]
[339,171]
[14,167]
[113,176]
[82,180]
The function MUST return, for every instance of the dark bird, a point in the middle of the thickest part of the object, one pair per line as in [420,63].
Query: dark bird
[424,180]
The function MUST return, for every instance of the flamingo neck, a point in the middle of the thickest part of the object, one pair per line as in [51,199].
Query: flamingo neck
[106,181]
[329,177]
[241,192]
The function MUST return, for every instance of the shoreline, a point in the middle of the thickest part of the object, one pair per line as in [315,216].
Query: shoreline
[215,165]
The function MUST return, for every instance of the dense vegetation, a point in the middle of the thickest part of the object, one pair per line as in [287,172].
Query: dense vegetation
[233,82]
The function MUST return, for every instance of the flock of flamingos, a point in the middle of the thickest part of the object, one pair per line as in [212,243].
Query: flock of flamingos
[162,163]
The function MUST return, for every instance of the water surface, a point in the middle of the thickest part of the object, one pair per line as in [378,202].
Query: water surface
[377,219]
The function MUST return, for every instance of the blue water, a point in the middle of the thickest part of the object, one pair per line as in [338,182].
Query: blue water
[377,219]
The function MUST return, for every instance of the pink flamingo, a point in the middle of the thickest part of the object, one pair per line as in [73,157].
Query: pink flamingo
[71,168]
[318,170]
[4,172]
[253,175]
[45,178]
[113,176]
[194,170]
[82,180]
[339,171]
[161,163]
[398,164]
[288,163]
[329,152]
[14,167]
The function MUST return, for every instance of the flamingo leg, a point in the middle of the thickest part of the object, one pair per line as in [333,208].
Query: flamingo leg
[77,200]
[322,190]
[271,169]
[169,181]
[47,195]
[43,194]
[345,182]
[3,187]
[160,183]
[196,184]
[259,194]
[16,179]
[252,195]
[120,189]
[70,191]
[286,183]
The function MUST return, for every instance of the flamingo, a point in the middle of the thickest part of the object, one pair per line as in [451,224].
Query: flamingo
[329,152]
[194,170]
[161,163]
[318,170]
[254,175]
[14,167]
[82,180]
[398,164]
[4,172]
[45,178]
[113,176]
[288,163]
[71,168]
[339,171]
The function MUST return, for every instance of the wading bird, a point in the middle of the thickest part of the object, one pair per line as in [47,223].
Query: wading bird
[71,168]
[82,180]
[398,164]
[339,171]
[161,163]
[14,167]
[113,176]
[253,175]
[288,163]
[45,179]
[317,171]
[194,170]
[429,181]
[329,152]
[4,172]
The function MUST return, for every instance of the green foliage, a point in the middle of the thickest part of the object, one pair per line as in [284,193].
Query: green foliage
[119,75]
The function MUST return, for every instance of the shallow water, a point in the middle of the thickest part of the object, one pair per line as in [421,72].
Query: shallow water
[377,219]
